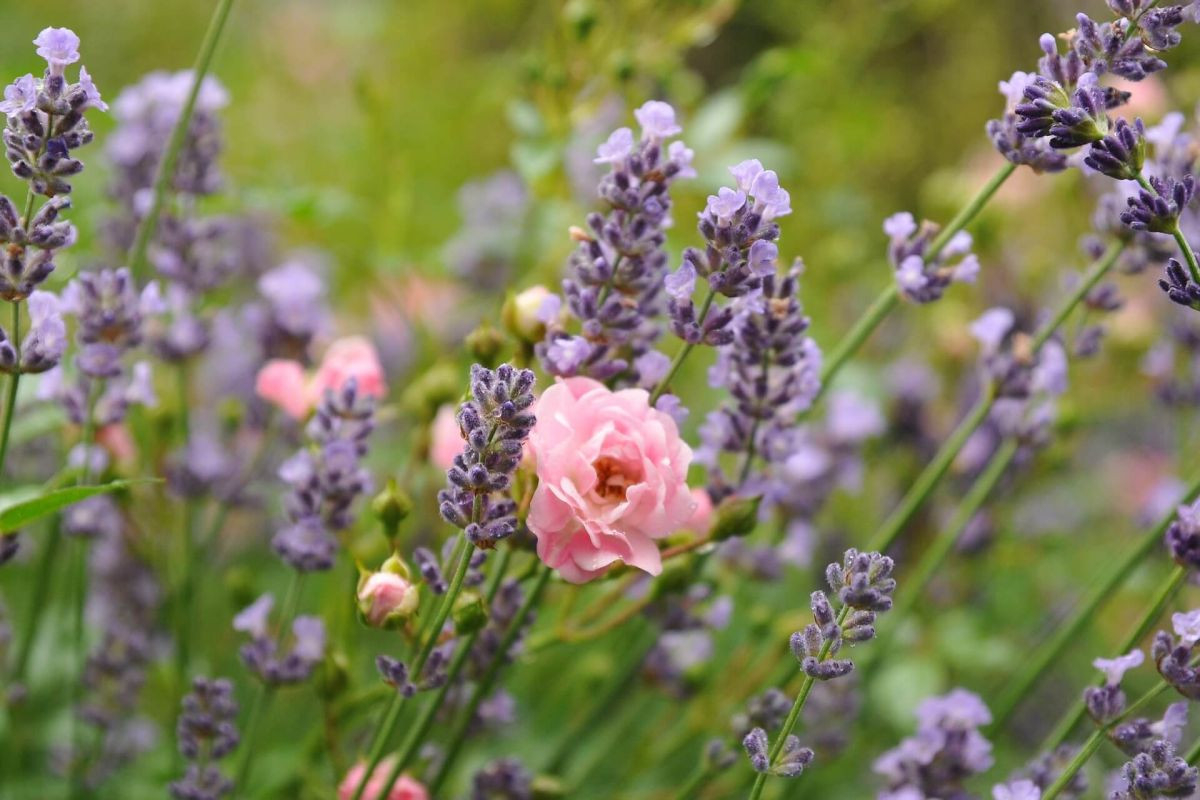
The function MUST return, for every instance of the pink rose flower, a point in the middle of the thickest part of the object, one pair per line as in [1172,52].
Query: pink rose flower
[352,357]
[612,475]
[405,788]
[702,518]
[282,382]
[446,440]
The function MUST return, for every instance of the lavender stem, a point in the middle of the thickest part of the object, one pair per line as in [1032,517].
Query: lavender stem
[13,381]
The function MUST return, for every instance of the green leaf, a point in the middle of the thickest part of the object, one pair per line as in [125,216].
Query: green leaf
[27,504]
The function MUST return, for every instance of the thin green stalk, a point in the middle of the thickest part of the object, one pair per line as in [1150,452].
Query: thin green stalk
[1033,668]
[923,486]
[1166,593]
[484,686]
[14,380]
[421,727]
[889,298]
[1193,755]
[693,784]
[262,699]
[1095,740]
[913,586]
[936,469]
[80,583]
[677,362]
[392,716]
[166,167]
[41,589]
[793,716]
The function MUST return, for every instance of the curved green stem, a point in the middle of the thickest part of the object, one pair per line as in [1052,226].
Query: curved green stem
[889,298]
[41,589]
[1166,593]
[166,167]
[484,686]
[687,348]
[1095,740]
[388,724]
[421,727]
[1033,668]
[14,380]
[1193,755]
[794,715]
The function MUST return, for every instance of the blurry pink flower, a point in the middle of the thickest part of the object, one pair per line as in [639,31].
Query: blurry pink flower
[117,441]
[702,518]
[446,440]
[612,475]
[283,383]
[352,357]
[405,788]
[386,598]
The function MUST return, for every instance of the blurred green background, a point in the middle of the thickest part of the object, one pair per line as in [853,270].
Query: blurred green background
[353,123]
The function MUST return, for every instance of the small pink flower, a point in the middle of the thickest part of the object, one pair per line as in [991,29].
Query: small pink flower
[612,475]
[387,598]
[117,440]
[405,788]
[283,383]
[352,357]
[446,440]
[702,518]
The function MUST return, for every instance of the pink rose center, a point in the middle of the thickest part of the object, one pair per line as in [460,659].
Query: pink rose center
[613,479]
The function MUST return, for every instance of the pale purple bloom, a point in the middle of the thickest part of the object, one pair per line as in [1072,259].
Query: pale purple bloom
[991,328]
[46,342]
[681,283]
[20,96]
[255,618]
[1050,373]
[771,200]
[671,405]
[652,367]
[900,226]
[90,91]
[959,709]
[852,418]
[616,149]
[1187,626]
[1115,668]
[1013,89]
[310,638]
[725,203]
[745,173]
[1172,724]
[568,354]
[1017,790]
[657,120]
[549,309]
[762,257]
[59,46]
[910,275]
[140,389]
[681,156]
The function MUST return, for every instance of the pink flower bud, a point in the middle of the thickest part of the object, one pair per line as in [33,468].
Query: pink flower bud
[352,357]
[386,598]
[405,788]
[702,518]
[282,382]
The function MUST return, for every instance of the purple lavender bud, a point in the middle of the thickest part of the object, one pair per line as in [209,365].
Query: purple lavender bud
[863,580]
[206,730]
[1183,536]
[495,423]
[756,744]
[792,758]
[502,779]
[395,674]
[922,279]
[1121,153]
[1179,286]
[766,710]
[1158,211]
[46,342]
[945,752]
[1157,773]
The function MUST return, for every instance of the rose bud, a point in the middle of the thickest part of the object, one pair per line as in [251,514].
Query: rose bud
[388,597]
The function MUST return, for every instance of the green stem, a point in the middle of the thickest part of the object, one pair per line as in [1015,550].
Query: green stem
[793,716]
[14,380]
[79,649]
[166,167]
[693,785]
[421,727]
[392,716]
[1193,754]
[291,600]
[1093,276]
[889,298]
[41,589]
[923,486]
[687,348]
[1095,740]
[1033,668]
[1166,593]
[484,686]
[914,584]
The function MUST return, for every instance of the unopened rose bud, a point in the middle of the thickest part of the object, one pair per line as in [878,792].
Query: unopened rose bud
[431,390]
[525,313]
[735,516]
[391,507]
[469,613]
[387,598]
